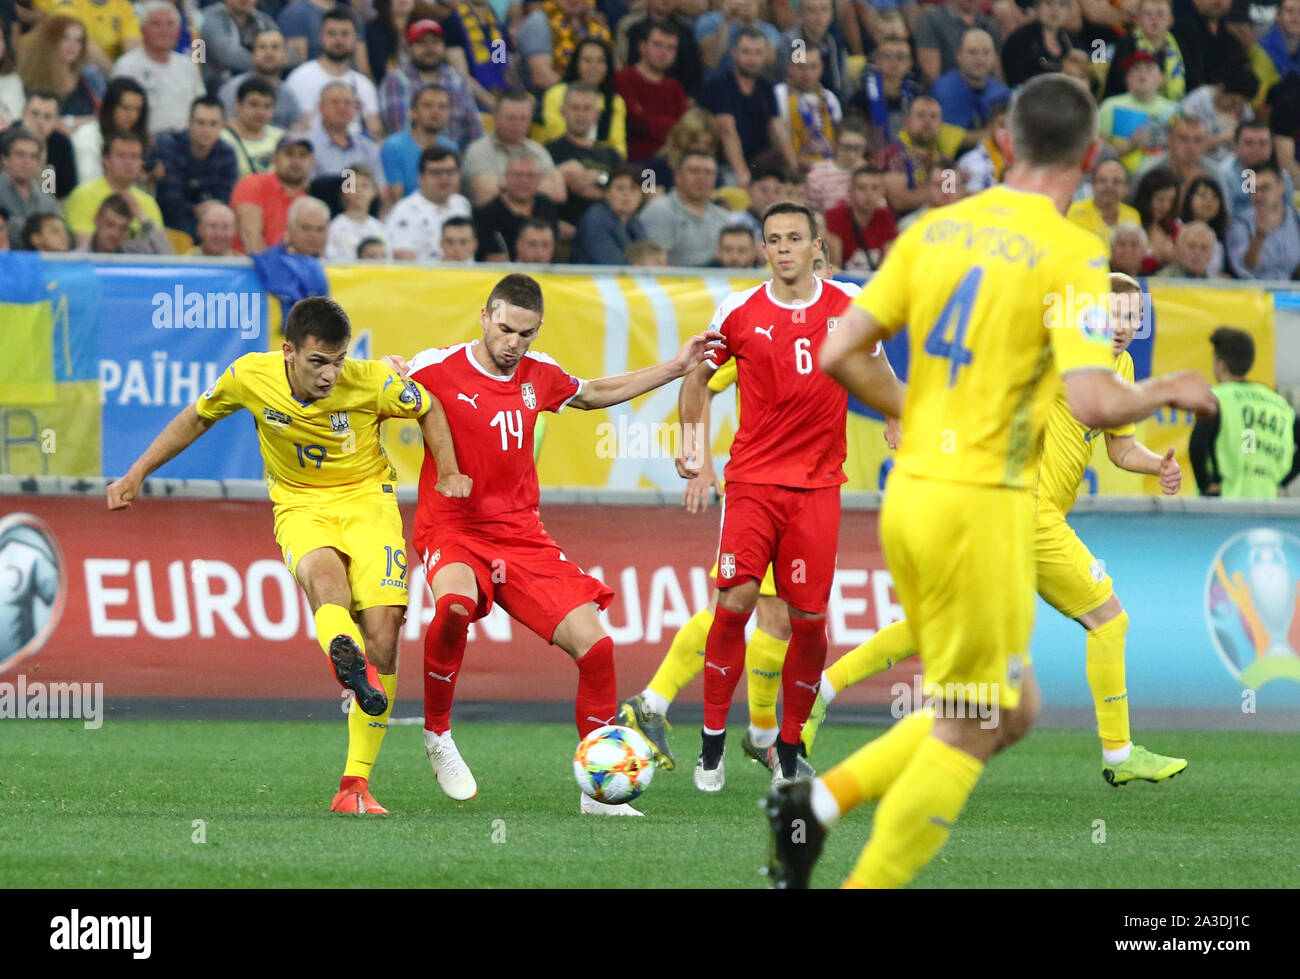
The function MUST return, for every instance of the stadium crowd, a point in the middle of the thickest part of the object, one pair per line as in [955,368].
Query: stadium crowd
[647,132]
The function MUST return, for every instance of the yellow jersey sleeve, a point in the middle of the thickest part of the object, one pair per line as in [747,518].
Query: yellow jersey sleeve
[1124,368]
[226,396]
[1077,307]
[397,398]
[724,377]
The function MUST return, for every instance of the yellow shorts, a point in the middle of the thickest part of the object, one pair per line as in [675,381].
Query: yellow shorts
[367,534]
[766,587]
[1070,579]
[962,559]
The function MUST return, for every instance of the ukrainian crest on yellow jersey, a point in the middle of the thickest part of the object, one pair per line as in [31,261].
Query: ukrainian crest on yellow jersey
[317,449]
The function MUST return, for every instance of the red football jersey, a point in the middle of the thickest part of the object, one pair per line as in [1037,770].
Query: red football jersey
[491,420]
[792,416]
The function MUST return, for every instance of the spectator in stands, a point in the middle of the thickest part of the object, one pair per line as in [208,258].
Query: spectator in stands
[887,90]
[1282,42]
[1156,201]
[744,104]
[828,181]
[1253,150]
[1040,46]
[716,32]
[944,187]
[12,96]
[1211,52]
[301,21]
[809,111]
[384,34]
[428,65]
[373,249]
[338,34]
[123,163]
[655,99]
[940,31]
[415,223]
[584,163]
[487,157]
[1151,34]
[608,227]
[685,221]
[968,93]
[21,194]
[1184,154]
[336,142]
[458,241]
[593,64]
[262,200]
[814,30]
[535,242]
[198,166]
[1135,123]
[861,229]
[250,133]
[767,186]
[1193,253]
[230,31]
[696,131]
[430,110]
[53,58]
[112,27]
[111,231]
[125,108]
[356,224]
[1203,201]
[550,34]
[170,79]
[737,249]
[687,66]
[497,222]
[1264,243]
[40,117]
[215,233]
[1221,108]
[1106,210]
[478,45]
[1128,249]
[908,161]
[646,253]
[1077,64]
[46,233]
[1215,448]
[291,270]
[270,57]
[983,166]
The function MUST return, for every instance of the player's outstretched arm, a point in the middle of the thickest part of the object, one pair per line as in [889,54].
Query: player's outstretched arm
[1103,399]
[179,434]
[692,406]
[696,495]
[437,436]
[848,355]
[1129,454]
[614,390]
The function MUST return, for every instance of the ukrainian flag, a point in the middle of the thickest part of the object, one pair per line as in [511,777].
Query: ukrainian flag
[26,331]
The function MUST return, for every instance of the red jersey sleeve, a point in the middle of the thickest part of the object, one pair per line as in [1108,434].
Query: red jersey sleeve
[555,387]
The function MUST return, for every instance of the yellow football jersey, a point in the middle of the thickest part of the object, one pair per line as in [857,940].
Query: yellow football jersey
[1001,295]
[725,376]
[1067,447]
[316,449]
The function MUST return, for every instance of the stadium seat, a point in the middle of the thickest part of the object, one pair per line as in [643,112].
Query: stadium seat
[181,241]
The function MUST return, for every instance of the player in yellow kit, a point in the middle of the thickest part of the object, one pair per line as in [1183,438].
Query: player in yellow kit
[336,518]
[1070,579]
[1005,300]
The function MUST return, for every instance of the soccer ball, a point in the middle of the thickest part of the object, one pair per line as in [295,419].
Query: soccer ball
[613,764]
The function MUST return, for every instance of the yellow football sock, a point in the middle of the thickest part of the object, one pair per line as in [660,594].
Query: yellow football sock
[685,657]
[888,646]
[870,771]
[366,733]
[335,620]
[764,657]
[1106,680]
[916,815]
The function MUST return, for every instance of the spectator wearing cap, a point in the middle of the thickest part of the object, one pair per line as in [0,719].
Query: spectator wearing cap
[428,65]
[269,59]
[249,131]
[1134,123]
[336,142]
[1264,243]
[940,31]
[197,166]
[21,153]
[430,110]
[1221,108]
[291,269]
[1040,46]
[230,31]
[1151,34]
[1210,49]
[415,222]
[549,35]
[1252,150]
[968,93]
[262,200]
[338,33]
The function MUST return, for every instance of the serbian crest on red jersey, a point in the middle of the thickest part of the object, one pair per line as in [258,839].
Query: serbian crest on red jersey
[530,396]
[727,566]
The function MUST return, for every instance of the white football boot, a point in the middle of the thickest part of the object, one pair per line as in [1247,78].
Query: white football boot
[710,779]
[453,774]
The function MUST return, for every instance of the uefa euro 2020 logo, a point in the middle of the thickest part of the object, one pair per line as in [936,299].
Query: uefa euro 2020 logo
[1252,601]
[33,587]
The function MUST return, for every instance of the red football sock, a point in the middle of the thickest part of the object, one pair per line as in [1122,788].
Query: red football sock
[800,678]
[597,702]
[444,648]
[724,663]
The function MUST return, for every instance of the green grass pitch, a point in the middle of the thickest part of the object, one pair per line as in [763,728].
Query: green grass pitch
[117,808]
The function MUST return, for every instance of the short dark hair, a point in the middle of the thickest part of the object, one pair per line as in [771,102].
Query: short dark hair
[765,171]
[537,224]
[790,207]
[681,162]
[211,101]
[457,221]
[364,243]
[45,95]
[436,154]
[319,317]
[1236,348]
[1053,121]
[624,172]
[517,289]
[665,27]
[868,170]
[750,32]
[35,225]
[122,136]
[17,134]
[254,85]
[513,95]
[116,204]
[1236,136]
[415,96]
[1268,166]
[338,13]
[735,229]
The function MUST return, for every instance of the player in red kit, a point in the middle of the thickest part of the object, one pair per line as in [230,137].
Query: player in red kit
[491,546]
[783,479]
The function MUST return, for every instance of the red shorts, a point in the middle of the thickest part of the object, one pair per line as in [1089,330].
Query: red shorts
[521,569]
[795,530]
